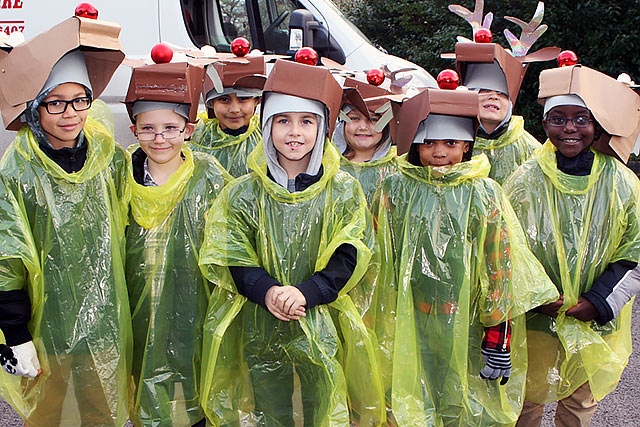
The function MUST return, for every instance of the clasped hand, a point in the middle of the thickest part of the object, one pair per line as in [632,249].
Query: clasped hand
[286,303]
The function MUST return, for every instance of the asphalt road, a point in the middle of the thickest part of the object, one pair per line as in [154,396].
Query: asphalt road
[620,408]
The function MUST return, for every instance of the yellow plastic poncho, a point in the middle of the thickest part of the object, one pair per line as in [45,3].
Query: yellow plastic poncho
[67,231]
[577,226]
[509,151]
[256,222]
[371,173]
[168,293]
[458,262]
[231,151]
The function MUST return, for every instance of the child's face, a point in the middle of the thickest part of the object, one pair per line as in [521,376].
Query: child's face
[294,136]
[570,139]
[161,150]
[63,129]
[359,132]
[442,152]
[494,107]
[234,112]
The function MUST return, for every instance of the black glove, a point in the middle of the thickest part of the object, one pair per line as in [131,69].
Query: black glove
[20,360]
[496,364]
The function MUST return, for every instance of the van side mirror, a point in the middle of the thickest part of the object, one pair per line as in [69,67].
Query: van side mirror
[304,30]
[301,27]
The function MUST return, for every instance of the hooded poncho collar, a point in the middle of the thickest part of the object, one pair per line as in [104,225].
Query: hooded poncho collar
[215,137]
[150,206]
[101,147]
[545,156]
[477,167]
[257,162]
[513,133]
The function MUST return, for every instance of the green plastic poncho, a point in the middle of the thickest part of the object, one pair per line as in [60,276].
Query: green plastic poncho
[371,173]
[457,262]
[597,217]
[67,231]
[168,293]
[256,222]
[231,151]
[509,151]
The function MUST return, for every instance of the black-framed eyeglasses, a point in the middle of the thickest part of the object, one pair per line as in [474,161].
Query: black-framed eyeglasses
[579,122]
[166,134]
[59,106]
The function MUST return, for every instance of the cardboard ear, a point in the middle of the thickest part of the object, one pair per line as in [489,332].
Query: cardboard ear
[26,67]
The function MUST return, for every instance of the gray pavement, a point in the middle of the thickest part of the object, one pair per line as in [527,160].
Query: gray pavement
[620,408]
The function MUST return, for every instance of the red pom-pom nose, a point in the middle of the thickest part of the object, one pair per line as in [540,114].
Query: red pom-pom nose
[86,10]
[483,35]
[306,55]
[240,46]
[161,53]
[448,79]
[567,58]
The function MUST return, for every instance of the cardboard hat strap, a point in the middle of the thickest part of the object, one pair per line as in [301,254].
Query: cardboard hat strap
[306,81]
[614,105]
[26,68]
[173,83]
[223,75]
[487,75]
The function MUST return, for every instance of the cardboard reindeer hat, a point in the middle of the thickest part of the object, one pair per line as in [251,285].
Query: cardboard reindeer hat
[315,83]
[486,65]
[27,66]
[454,114]
[244,76]
[177,83]
[613,104]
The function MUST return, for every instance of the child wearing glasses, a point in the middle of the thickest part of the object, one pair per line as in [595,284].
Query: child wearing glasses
[580,206]
[63,203]
[171,189]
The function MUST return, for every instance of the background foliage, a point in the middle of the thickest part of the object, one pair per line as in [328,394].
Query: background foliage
[604,33]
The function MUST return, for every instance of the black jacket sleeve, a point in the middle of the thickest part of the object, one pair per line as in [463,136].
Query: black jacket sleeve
[613,289]
[15,313]
[323,286]
[253,283]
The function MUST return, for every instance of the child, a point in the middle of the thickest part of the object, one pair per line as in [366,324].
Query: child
[363,136]
[284,245]
[497,75]
[581,211]
[230,130]
[172,188]
[63,295]
[455,270]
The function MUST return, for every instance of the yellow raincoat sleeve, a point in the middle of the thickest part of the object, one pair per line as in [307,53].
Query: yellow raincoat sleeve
[576,226]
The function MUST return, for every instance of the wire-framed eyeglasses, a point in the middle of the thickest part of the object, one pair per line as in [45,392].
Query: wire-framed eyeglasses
[59,106]
[560,121]
[166,134]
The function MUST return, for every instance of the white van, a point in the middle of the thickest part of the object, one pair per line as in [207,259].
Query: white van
[194,23]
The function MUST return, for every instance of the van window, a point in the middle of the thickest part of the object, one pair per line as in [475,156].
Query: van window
[265,23]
